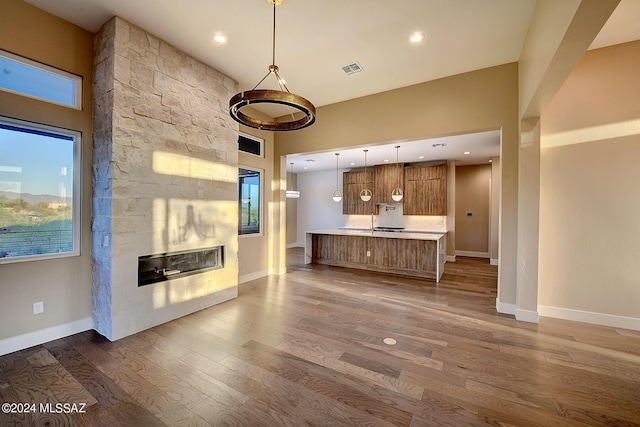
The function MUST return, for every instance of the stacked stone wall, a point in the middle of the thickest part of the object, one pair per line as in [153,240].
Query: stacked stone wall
[165,177]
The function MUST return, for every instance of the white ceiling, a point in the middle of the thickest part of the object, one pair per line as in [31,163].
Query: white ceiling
[316,38]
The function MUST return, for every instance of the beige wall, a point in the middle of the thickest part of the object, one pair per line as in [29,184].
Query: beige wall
[548,27]
[255,254]
[599,100]
[451,210]
[589,244]
[589,205]
[557,38]
[64,285]
[559,34]
[473,193]
[495,209]
[528,220]
[292,212]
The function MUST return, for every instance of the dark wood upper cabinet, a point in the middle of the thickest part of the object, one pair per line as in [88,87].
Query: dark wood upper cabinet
[424,187]
[387,178]
[425,190]
[352,183]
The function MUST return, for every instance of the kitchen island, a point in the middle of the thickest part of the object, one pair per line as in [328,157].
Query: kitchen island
[410,254]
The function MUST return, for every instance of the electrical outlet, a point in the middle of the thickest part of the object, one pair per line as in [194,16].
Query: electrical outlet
[368,253]
[38,307]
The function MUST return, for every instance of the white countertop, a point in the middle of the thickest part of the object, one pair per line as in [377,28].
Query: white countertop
[385,234]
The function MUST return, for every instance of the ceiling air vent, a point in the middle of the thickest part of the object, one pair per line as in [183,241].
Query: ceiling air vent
[352,68]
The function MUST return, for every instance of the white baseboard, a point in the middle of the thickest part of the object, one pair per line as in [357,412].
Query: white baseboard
[494,261]
[505,308]
[20,342]
[590,317]
[473,254]
[451,258]
[527,316]
[252,276]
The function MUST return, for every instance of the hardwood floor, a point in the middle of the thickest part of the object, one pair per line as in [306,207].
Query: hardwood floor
[307,348]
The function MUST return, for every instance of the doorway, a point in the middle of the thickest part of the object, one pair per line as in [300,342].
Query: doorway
[473,200]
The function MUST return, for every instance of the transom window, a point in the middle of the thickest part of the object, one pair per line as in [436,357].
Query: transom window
[250,144]
[35,80]
[39,191]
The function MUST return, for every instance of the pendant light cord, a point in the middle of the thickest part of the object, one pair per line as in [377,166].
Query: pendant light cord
[397,165]
[273,49]
[302,112]
[273,68]
[365,163]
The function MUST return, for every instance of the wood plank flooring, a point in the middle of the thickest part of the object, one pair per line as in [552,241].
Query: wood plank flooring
[306,348]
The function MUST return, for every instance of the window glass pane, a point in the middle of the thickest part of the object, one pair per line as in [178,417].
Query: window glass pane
[250,144]
[37,183]
[249,201]
[26,77]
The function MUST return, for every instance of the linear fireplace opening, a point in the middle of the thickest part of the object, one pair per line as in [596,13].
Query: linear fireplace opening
[173,265]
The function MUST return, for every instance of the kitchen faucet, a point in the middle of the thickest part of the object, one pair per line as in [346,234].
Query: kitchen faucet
[372,228]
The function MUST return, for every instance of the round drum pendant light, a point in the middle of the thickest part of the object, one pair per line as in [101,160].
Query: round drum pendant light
[337,195]
[269,96]
[366,194]
[397,194]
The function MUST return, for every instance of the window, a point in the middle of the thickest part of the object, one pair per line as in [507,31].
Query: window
[250,144]
[39,191]
[249,194]
[26,77]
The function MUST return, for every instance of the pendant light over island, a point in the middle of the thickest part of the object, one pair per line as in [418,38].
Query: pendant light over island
[365,194]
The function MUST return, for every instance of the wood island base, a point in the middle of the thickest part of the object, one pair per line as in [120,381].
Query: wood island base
[409,254]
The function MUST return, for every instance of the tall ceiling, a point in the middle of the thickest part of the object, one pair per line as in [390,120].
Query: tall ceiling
[315,39]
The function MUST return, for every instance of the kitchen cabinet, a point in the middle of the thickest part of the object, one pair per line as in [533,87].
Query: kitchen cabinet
[425,190]
[352,183]
[387,178]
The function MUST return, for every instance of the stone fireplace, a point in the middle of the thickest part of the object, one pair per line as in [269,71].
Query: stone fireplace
[165,178]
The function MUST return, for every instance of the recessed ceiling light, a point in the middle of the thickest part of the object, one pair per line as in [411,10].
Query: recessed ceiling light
[467,152]
[305,168]
[416,37]
[352,164]
[490,161]
[219,38]
[421,157]
[386,160]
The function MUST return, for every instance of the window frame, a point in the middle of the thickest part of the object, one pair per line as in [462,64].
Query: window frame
[260,173]
[76,219]
[49,69]
[254,138]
